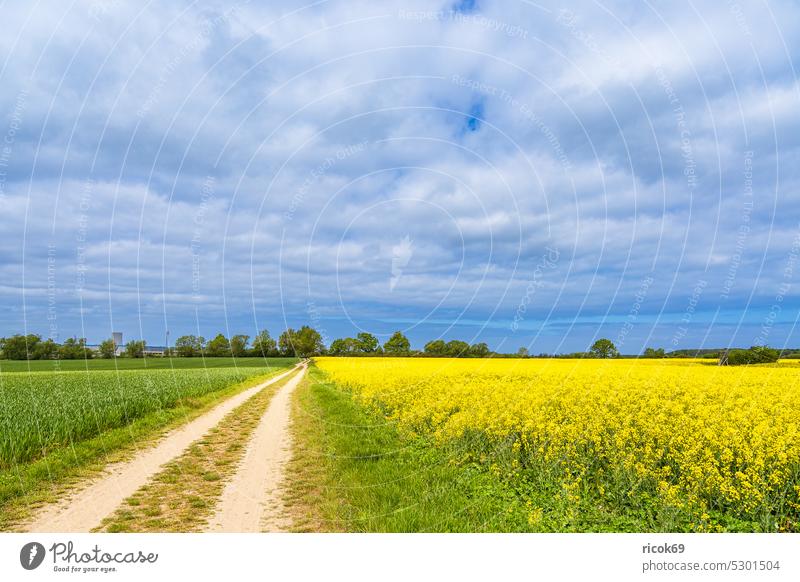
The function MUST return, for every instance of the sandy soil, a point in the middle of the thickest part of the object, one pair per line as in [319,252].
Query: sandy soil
[253,501]
[84,510]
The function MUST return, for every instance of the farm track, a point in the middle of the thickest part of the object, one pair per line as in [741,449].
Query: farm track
[85,510]
[253,500]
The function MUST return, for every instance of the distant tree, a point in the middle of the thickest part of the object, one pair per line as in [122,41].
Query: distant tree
[480,350]
[657,353]
[522,352]
[397,345]
[218,347]
[457,349]
[287,341]
[46,350]
[264,345]
[302,343]
[20,347]
[337,347]
[74,349]
[367,343]
[309,342]
[755,355]
[189,346]
[135,349]
[239,345]
[108,349]
[436,348]
[604,348]
[342,347]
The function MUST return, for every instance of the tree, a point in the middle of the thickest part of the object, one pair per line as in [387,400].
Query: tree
[755,355]
[436,348]
[480,350]
[135,349]
[108,349]
[604,348]
[367,343]
[20,347]
[522,352]
[302,343]
[218,347]
[286,342]
[397,345]
[189,346]
[46,350]
[239,345]
[651,353]
[457,349]
[74,349]
[342,346]
[309,342]
[264,345]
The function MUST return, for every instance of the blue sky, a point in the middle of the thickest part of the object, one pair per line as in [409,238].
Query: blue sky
[507,172]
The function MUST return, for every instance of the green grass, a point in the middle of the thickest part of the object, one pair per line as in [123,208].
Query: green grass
[152,363]
[25,486]
[354,471]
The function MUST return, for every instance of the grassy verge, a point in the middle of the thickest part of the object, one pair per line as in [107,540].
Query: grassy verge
[25,488]
[352,472]
[182,497]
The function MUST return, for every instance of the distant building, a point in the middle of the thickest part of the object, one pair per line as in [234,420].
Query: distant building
[116,337]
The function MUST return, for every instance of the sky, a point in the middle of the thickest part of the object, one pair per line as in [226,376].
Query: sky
[507,172]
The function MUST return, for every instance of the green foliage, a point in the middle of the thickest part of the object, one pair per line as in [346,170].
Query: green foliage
[20,347]
[264,345]
[523,352]
[135,349]
[46,350]
[754,355]
[364,343]
[343,347]
[75,349]
[457,349]
[480,350]
[397,345]
[190,346]
[239,345]
[367,343]
[108,349]
[654,353]
[302,343]
[219,347]
[604,348]
[436,348]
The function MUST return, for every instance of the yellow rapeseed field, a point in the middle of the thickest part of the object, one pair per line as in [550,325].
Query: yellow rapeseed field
[712,443]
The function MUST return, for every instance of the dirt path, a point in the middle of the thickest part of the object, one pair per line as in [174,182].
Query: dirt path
[252,501]
[85,510]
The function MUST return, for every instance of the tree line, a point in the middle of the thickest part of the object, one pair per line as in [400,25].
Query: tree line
[306,342]
[303,342]
[365,344]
